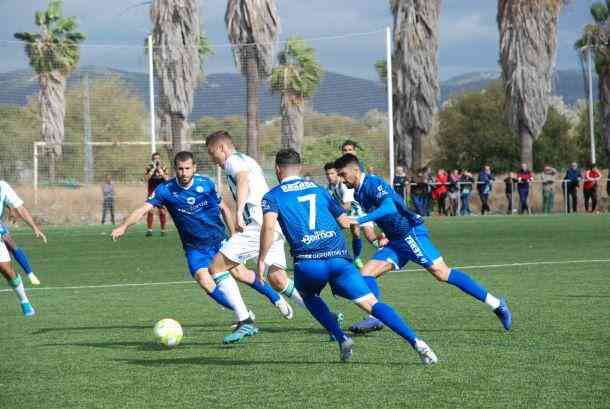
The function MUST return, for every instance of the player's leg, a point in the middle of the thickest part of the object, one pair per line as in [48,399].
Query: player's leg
[245,325]
[20,257]
[347,283]
[14,281]
[150,219]
[279,280]
[162,220]
[356,245]
[311,276]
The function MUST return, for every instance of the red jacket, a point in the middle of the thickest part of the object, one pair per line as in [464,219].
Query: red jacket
[441,186]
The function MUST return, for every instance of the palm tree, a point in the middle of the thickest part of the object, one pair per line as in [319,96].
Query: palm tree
[53,54]
[528,45]
[415,72]
[296,79]
[176,38]
[597,36]
[252,26]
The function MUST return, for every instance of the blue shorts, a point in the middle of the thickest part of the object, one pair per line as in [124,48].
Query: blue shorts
[3,230]
[311,276]
[416,247]
[200,258]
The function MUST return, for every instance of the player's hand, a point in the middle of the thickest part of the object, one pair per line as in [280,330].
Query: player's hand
[117,233]
[353,221]
[260,272]
[382,240]
[240,225]
[39,234]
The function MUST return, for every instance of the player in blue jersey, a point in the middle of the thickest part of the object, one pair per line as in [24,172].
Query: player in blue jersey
[407,240]
[311,222]
[196,209]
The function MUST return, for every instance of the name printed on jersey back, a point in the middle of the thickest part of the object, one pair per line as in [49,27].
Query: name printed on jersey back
[295,187]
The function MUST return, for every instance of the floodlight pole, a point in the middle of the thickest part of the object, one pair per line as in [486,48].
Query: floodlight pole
[151,95]
[390,91]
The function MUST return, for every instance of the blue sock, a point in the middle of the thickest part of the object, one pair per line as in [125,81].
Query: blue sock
[392,320]
[357,246]
[266,290]
[220,298]
[318,308]
[22,259]
[468,285]
[371,283]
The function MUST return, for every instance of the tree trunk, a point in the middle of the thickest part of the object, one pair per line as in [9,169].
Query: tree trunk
[527,148]
[252,79]
[418,151]
[179,128]
[403,140]
[604,102]
[52,112]
[292,122]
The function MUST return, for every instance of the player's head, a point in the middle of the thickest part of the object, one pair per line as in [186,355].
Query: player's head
[331,173]
[155,157]
[349,146]
[287,163]
[348,168]
[220,147]
[184,164]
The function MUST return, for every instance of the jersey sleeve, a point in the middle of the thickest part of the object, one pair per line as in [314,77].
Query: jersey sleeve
[11,198]
[378,191]
[333,206]
[269,204]
[157,197]
[235,164]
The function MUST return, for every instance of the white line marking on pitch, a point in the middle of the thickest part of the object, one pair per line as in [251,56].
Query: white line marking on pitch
[86,287]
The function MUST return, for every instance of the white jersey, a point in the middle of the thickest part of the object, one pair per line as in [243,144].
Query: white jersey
[257,185]
[8,197]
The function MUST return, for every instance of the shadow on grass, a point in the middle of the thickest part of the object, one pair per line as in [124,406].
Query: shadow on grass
[140,346]
[203,360]
[202,327]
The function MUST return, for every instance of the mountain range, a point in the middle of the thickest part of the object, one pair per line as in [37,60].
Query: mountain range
[223,95]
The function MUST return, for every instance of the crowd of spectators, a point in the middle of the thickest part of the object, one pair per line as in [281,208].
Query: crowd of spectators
[450,193]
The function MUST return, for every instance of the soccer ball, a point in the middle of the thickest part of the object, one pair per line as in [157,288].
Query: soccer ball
[168,332]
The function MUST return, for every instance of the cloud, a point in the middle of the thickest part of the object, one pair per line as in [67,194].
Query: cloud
[471,28]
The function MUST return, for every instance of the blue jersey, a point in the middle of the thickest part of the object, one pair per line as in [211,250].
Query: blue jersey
[307,215]
[194,209]
[372,192]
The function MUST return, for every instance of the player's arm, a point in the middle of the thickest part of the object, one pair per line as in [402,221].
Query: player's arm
[386,208]
[225,211]
[241,182]
[25,215]
[132,219]
[266,240]
[148,173]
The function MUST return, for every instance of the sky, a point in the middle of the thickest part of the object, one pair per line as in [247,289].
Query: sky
[347,34]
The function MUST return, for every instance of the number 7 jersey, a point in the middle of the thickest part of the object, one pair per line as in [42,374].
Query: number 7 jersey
[307,215]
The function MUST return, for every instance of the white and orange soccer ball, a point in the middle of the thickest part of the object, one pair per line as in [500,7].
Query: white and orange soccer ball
[168,332]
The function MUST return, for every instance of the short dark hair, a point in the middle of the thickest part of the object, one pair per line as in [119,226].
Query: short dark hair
[347,159]
[154,154]
[218,136]
[287,157]
[183,156]
[349,142]
[329,166]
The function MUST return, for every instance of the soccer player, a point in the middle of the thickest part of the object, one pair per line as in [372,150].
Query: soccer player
[9,198]
[154,175]
[308,217]
[18,254]
[196,209]
[248,185]
[350,147]
[407,240]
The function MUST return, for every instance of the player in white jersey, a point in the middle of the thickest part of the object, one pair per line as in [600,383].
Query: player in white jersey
[248,185]
[9,198]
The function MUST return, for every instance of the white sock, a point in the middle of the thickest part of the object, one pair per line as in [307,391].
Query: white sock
[492,301]
[293,293]
[228,286]
[17,285]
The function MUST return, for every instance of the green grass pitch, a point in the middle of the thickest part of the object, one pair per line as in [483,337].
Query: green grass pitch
[94,348]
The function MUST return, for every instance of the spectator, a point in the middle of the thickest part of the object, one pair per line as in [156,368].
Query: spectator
[371,170]
[589,188]
[608,189]
[524,177]
[509,182]
[548,188]
[108,197]
[466,185]
[484,187]
[454,192]
[430,181]
[418,193]
[400,181]
[439,193]
[154,175]
[572,180]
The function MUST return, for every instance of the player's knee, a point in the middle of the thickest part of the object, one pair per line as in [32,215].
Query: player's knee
[277,280]
[205,281]
[440,271]
[367,304]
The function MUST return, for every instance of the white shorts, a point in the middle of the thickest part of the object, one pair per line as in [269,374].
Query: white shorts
[5,257]
[244,246]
